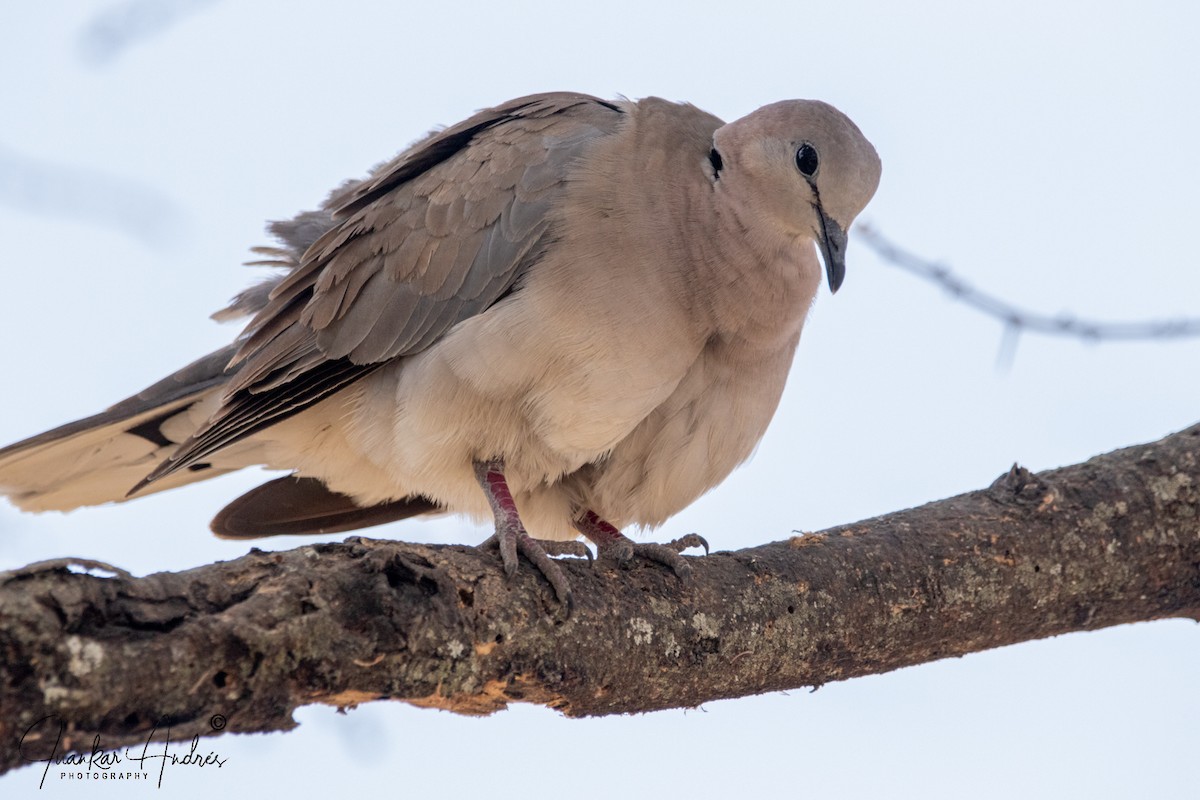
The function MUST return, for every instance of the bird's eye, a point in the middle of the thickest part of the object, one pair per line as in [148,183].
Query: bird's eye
[806,160]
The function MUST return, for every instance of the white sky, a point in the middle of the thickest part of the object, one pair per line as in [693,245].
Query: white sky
[1047,155]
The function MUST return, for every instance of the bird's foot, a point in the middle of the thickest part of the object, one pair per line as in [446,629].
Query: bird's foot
[612,545]
[511,538]
[510,542]
[551,547]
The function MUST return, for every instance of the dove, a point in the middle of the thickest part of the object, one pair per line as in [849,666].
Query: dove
[564,315]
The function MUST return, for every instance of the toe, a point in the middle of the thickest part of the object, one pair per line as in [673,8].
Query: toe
[619,552]
[534,551]
[668,556]
[574,548]
[691,540]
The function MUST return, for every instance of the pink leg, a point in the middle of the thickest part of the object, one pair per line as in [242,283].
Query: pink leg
[512,538]
[611,543]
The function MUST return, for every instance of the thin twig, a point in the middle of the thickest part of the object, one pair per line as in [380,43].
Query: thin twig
[1017,320]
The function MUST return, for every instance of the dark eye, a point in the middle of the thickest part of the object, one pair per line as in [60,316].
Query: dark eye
[806,160]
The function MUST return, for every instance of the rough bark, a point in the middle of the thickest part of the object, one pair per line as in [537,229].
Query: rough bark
[1113,540]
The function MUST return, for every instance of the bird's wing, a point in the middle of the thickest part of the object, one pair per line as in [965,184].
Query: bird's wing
[434,237]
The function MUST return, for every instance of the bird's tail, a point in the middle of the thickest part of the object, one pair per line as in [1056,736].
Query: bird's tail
[100,458]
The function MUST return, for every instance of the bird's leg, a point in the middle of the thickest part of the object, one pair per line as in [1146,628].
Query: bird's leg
[611,543]
[512,538]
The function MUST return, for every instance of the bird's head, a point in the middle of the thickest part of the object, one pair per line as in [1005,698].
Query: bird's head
[803,167]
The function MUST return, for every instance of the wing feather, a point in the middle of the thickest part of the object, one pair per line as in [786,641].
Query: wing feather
[435,236]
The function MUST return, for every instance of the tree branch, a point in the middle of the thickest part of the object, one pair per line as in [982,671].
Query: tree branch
[1113,540]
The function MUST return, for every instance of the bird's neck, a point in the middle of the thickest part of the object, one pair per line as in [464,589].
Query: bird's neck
[756,283]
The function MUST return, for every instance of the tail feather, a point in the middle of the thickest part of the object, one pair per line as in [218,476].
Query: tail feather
[293,505]
[98,459]
[101,458]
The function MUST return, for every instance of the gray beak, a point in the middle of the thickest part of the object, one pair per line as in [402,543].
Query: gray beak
[833,250]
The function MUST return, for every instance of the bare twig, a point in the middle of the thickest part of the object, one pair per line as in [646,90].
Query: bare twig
[1018,320]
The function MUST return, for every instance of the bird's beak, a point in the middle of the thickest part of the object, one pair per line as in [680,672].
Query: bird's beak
[833,249]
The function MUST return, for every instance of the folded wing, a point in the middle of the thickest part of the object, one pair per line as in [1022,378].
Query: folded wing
[432,238]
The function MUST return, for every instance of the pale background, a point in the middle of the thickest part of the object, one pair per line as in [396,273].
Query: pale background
[1049,155]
